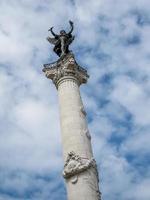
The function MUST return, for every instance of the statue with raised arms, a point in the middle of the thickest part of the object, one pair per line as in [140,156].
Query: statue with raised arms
[62,40]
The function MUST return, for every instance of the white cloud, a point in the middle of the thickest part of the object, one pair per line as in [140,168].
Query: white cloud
[132,95]
[30,134]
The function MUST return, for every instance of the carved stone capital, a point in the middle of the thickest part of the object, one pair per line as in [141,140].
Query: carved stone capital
[65,66]
[76,164]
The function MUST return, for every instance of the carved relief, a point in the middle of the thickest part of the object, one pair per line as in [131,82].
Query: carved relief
[65,66]
[83,110]
[76,164]
[88,134]
[74,179]
[98,194]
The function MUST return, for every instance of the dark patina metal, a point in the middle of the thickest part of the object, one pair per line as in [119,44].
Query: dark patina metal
[62,40]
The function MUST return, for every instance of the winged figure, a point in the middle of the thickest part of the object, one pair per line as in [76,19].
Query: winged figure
[62,40]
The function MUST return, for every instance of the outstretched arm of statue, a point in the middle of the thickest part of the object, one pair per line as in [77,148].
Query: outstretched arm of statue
[71,25]
[51,30]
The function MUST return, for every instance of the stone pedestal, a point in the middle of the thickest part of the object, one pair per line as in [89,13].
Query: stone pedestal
[80,170]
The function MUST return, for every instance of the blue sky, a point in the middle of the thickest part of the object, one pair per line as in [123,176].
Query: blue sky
[112,43]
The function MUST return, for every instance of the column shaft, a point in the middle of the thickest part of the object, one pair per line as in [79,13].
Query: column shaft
[76,138]
[73,121]
[80,170]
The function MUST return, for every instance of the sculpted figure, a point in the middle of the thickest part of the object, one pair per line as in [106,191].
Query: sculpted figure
[62,40]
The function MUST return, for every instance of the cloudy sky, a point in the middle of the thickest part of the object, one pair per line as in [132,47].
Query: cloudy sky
[112,43]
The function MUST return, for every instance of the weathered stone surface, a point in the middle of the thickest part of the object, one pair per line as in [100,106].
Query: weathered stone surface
[66,66]
[80,170]
[75,165]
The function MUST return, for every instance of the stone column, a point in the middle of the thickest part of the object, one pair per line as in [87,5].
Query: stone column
[80,170]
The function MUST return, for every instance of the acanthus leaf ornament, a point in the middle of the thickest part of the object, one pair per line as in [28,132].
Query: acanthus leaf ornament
[65,66]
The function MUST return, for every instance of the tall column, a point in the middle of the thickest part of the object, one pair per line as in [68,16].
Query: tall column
[80,170]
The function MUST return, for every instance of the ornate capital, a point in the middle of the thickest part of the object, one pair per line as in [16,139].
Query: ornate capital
[65,66]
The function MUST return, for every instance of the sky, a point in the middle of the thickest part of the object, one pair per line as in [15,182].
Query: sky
[112,43]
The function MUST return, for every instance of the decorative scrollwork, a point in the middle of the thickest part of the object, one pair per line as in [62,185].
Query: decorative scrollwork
[65,66]
[76,164]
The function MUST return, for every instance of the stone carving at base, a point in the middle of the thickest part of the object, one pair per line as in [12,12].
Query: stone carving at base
[76,164]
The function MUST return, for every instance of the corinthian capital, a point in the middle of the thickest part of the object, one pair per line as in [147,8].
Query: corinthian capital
[65,67]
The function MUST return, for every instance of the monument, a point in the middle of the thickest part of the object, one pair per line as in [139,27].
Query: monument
[80,169]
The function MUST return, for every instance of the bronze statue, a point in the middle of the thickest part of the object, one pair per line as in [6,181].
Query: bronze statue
[61,41]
